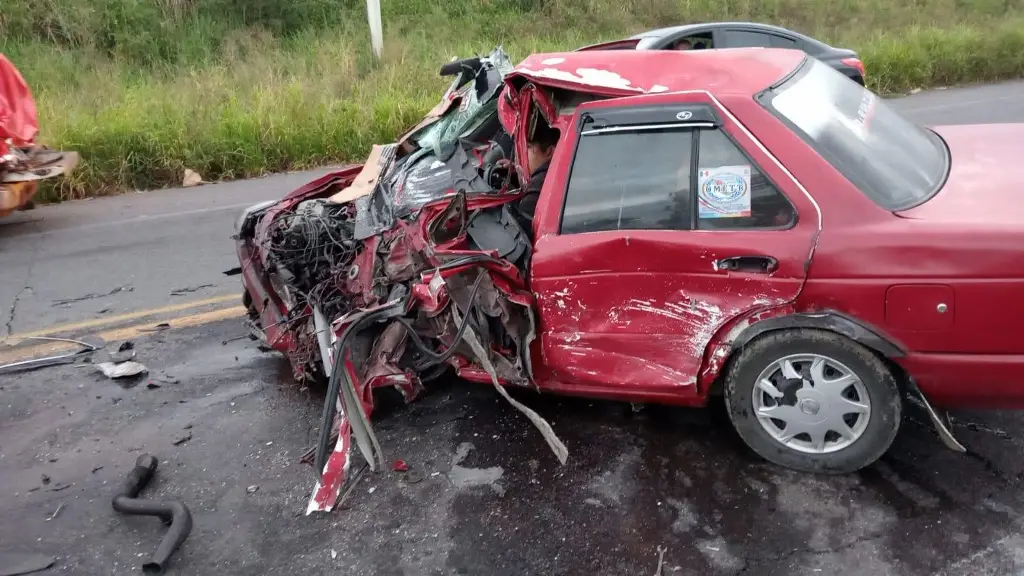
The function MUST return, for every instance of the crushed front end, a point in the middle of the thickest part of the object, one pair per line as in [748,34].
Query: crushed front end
[393,273]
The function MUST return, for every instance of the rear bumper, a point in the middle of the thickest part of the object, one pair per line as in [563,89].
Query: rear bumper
[969,380]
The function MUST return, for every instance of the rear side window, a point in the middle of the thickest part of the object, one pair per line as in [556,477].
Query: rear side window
[783,42]
[636,179]
[732,192]
[745,39]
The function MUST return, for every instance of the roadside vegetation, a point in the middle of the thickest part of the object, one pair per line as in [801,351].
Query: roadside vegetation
[233,88]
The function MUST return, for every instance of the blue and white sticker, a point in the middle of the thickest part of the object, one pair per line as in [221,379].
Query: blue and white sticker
[724,192]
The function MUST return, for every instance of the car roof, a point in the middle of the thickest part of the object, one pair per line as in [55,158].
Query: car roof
[743,71]
[672,30]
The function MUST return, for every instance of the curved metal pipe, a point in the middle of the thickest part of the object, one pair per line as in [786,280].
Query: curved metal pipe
[171,512]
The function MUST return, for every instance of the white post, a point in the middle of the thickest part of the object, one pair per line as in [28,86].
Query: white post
[376,30]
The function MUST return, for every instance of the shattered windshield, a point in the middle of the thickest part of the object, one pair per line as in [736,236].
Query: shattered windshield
[448,160]
[474,109]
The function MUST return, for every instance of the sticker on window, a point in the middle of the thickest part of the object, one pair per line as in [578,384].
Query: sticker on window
[724,192]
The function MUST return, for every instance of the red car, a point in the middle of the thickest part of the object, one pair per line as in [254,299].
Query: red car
[742,222]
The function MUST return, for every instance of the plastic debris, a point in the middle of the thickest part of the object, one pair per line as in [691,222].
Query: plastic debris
[122,370]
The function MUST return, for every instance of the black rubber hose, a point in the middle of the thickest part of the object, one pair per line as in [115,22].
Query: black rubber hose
[323,445]
[172,512]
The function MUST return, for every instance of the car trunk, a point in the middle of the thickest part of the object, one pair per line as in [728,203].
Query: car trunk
[986,177]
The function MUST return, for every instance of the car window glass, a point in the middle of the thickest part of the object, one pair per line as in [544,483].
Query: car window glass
[783,42]
[630,180]
[732,192]
[744,39]
[693,42]
[894,162]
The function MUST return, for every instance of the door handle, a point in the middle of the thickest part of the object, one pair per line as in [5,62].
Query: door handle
[753,264]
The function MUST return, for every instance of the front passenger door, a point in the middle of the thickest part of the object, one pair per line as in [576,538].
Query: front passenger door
[652,229]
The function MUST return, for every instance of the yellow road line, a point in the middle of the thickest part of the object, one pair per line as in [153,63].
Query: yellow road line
[71,328]
[116,334]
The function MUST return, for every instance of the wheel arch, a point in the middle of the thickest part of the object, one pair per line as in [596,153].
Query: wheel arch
[831,321]
[740,332]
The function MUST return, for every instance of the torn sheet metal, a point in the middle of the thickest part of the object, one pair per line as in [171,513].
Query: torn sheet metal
[557,446]
[35,363]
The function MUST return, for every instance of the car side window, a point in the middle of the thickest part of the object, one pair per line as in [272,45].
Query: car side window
[783,42]
[746,39]
[632,179]
[732,193]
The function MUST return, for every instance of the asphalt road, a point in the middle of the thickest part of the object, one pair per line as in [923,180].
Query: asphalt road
[483,495]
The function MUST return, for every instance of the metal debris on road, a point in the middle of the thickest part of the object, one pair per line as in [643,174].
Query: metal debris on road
[55,512]
[122,370]
[252,489]
[36,363]
[660,560]
[124,353]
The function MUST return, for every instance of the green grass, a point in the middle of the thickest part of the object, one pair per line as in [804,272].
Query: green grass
[233,88]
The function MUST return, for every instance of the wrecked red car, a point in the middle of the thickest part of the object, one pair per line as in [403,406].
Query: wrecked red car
[23,161]
[743,222]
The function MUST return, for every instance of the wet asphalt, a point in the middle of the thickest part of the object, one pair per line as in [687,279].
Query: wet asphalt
[483,494]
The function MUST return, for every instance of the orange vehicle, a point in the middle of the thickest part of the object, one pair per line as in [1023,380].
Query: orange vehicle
[23,162]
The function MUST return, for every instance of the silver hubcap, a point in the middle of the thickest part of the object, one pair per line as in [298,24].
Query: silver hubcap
[811,403]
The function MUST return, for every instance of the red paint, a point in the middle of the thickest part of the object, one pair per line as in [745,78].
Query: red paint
[919,307]
[985,180]
[19,122]
[855,63]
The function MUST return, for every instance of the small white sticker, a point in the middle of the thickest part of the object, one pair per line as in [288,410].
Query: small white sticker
[724,191]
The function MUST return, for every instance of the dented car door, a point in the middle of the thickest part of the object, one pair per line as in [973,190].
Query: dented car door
[661,222]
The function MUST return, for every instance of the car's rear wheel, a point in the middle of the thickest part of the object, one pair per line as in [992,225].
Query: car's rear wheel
[813,401]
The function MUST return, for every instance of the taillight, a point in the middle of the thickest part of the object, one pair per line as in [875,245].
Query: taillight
[856,63]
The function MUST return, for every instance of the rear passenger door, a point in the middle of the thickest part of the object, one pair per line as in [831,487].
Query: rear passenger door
[660,221]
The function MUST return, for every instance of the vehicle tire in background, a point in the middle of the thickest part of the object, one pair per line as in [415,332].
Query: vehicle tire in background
[813,401]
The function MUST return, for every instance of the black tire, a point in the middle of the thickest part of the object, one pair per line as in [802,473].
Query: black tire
[878,380]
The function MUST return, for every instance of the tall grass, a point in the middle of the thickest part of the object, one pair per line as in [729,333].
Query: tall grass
[232,88]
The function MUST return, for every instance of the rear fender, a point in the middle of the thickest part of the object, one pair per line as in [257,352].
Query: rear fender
[743,329]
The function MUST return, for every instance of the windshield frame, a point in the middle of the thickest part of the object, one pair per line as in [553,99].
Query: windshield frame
[766,96]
